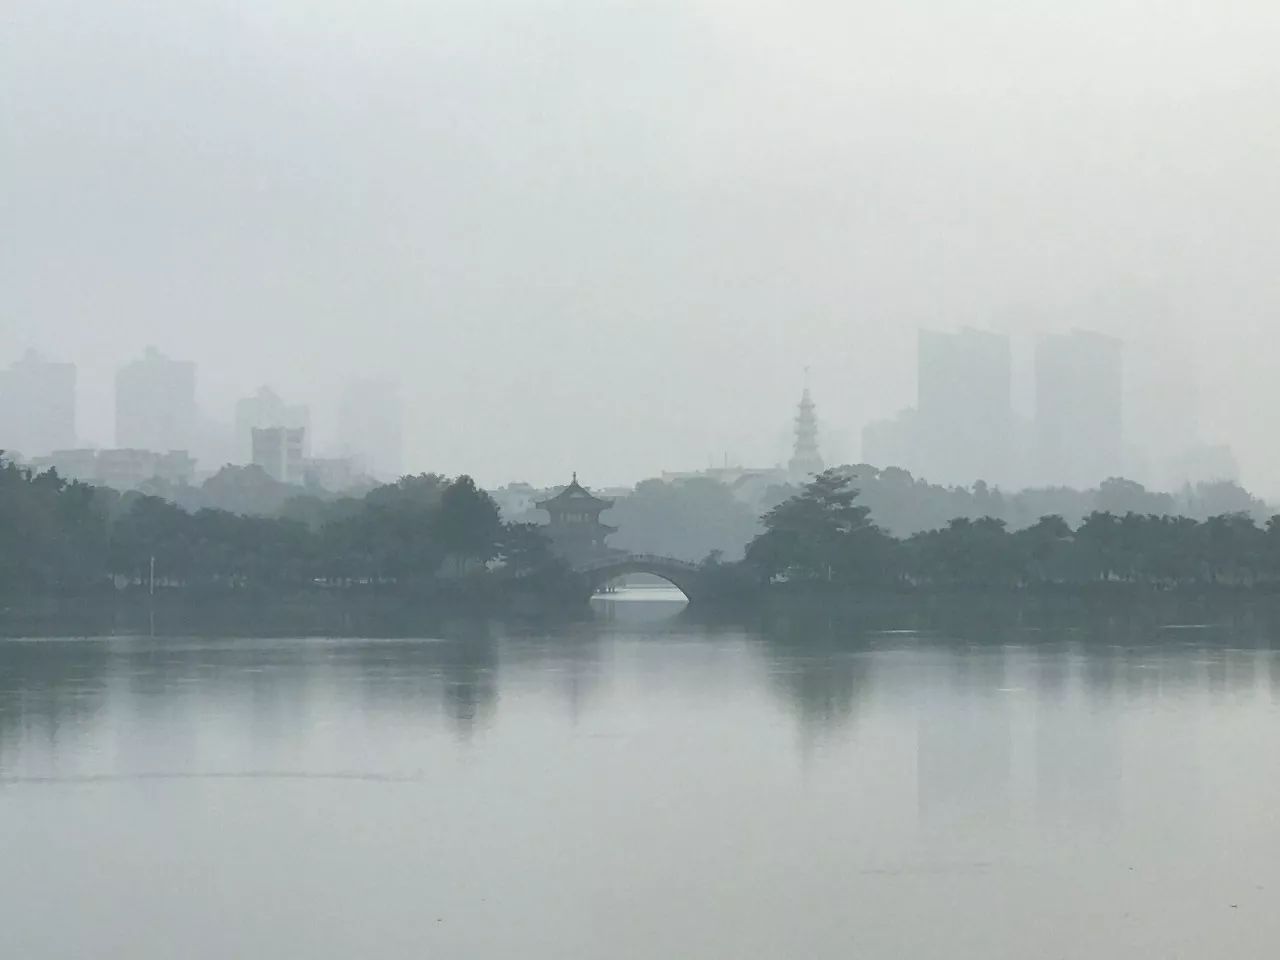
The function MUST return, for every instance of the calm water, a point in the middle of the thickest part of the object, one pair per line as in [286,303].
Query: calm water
[641,789]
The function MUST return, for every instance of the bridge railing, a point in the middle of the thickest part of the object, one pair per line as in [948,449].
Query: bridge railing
[642,559]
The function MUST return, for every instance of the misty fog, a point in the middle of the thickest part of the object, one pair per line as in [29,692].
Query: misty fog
[609,236]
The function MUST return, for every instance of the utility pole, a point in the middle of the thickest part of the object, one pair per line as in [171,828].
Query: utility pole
[153,575]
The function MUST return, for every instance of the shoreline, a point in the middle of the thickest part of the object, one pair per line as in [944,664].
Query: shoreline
[985,614]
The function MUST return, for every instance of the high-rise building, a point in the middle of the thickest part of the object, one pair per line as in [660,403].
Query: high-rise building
[266,409]
[964,406]
[278,451]
[962,428]
[1079,421]
[370,427]
[805,458]
[37,406]
[156,403]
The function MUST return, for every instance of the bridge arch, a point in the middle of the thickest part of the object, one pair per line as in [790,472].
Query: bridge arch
[686,577]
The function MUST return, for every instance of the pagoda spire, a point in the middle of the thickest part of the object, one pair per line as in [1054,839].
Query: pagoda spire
[805,458]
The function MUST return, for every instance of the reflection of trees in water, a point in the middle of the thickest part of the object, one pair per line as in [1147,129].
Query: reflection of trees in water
[469,673]
[281,686]
[569,659]
[278,687]
[819,669]
[46,686]
[455,671]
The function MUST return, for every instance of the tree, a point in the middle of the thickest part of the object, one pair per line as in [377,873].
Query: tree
[1233,548]
[525,549]
[468,525]
[972,552]
[248,490]
[1044,549]
[1119,496]
[811,536]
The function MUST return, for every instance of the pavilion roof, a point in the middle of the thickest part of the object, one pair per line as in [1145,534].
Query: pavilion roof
[574,495]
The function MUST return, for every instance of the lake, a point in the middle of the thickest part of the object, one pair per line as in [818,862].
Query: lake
[642,785]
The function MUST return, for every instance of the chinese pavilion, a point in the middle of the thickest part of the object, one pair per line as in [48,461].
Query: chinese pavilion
[575,530]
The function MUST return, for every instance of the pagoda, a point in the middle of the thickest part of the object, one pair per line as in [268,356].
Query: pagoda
[806,461]
[575,530]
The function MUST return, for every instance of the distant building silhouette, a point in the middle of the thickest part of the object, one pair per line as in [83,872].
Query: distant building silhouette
[119,469]
[334,474]
[575,530]
[1079,418]
[964,404]
[37,406]
[128,469]
[266,409]
[370,427]
[1203,463]
[71,464]
[155,403]
[279,451]
[892,443]
[805,458]
[962,428]
[515,500]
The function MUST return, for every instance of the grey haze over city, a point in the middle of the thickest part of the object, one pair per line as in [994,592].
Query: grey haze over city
[609,237]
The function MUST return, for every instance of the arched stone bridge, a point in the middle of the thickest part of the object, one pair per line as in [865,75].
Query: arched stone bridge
[688,577]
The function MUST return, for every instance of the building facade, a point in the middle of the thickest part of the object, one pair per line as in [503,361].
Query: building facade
[156,403]
[370,427]
[278,451]
[964,407]
[266,409]
[1079,416]
[37,406]
[962,428]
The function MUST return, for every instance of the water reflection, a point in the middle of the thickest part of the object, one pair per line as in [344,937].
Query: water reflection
[646,783]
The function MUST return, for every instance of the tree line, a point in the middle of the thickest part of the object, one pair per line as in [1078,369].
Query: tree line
[428,532]
[420,532]
[824,535]
[904,504]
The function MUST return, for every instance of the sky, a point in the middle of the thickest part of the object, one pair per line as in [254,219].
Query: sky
[610,236]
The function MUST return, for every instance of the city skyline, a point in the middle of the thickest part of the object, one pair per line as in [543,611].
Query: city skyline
[953,374]
[639,478]
[536,205]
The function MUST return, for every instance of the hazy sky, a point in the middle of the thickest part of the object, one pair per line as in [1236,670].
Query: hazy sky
[608,236]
